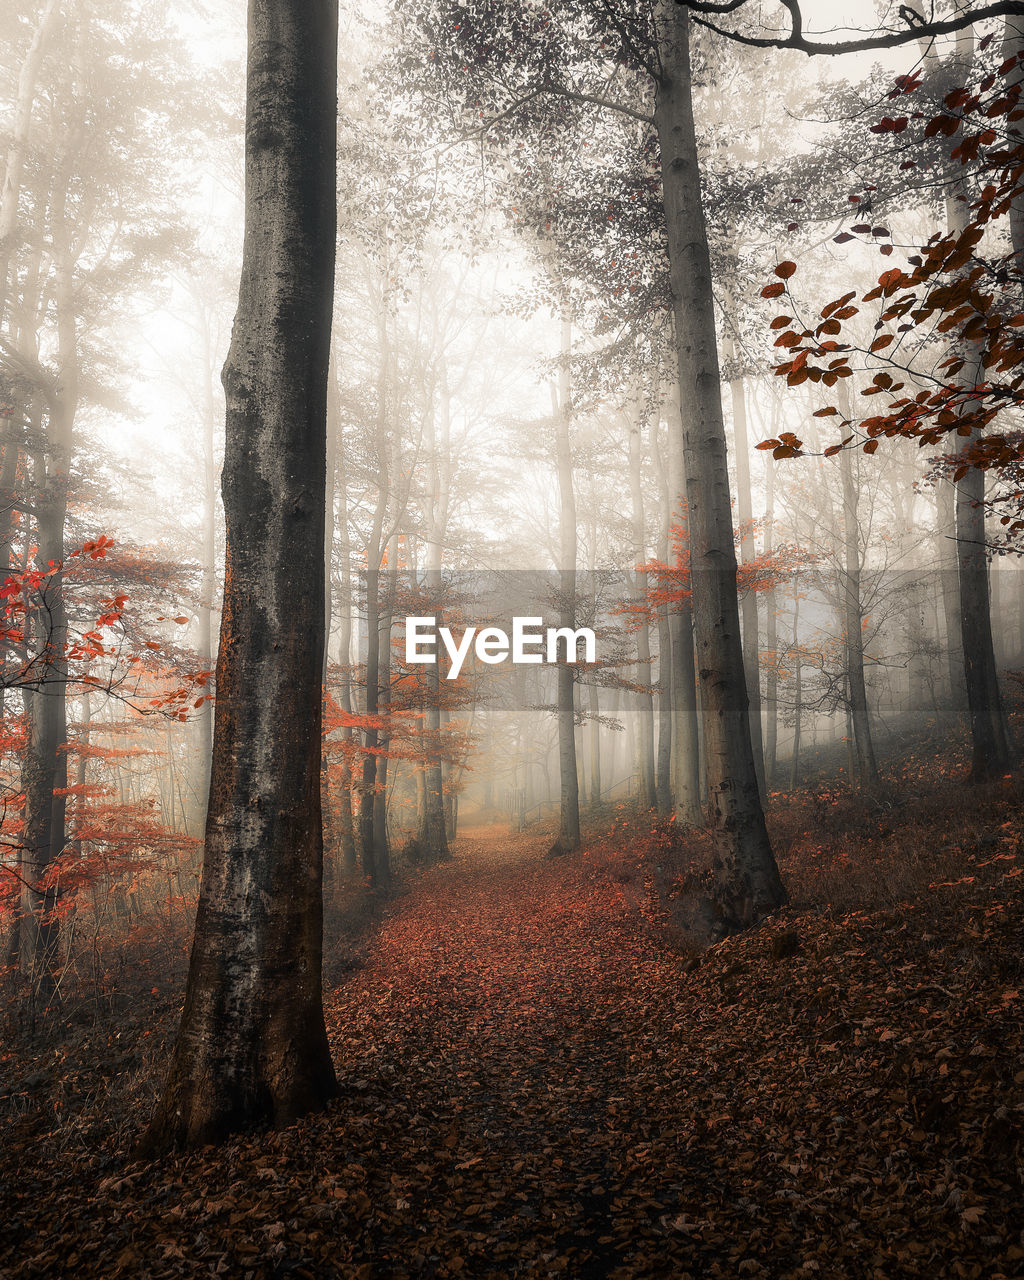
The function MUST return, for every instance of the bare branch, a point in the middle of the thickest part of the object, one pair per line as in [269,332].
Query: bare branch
[576,96]
[916,29]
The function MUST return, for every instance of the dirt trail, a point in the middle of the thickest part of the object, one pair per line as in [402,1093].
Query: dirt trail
[510,1005]
[532,1087]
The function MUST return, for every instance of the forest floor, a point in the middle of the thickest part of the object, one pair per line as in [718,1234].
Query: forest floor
[534,1084]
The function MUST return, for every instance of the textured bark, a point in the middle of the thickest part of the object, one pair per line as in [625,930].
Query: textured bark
[747,879]
[252,1046]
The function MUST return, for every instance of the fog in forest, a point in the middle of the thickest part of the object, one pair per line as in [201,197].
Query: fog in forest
[749,436]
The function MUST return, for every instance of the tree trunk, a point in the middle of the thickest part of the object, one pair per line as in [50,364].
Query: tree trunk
[252,1045]
[748,606]
[346,828]
[644,701]
[18,147]
[595,747]
[1013,44]
[381,843]
[747,879]
[686,782]
[991,749]
[569,808]
[794,765]
[663,777]
[853,618]
[208,586]
[771,681]
[949,571]
[45,765]
[433,834]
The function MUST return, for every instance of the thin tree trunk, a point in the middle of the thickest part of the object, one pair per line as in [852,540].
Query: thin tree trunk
[992,750]
[949,570]
[346,828]
[433,834]
[208,586]
[252,1045]
[45,765]
[18,147]
[794,766]
[595,747]
[747,878]
[771,681]
[992,754]
[748,604]
[569,810]
[644,701]
[853,618]
[686,780]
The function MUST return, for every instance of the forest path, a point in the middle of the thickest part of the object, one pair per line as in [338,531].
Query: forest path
[509,999]
[531,1087]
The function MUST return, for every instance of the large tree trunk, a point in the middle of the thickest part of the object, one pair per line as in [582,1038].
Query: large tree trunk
[747,879]
[252,1046]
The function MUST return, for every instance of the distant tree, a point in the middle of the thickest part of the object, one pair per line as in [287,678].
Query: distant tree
[947,334]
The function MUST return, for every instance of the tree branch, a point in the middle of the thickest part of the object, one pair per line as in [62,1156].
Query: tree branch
[889,40]
[576,96]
